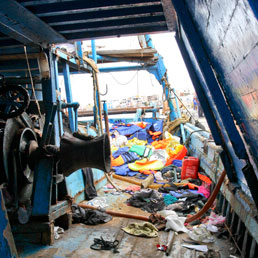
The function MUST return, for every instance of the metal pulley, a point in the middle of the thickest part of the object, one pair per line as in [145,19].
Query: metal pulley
[14,100]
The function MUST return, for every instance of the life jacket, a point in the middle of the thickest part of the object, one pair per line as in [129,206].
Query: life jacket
[180,155]
[155,135]
[145,164]
[141,150]
[204,178]
[142,124]
[162,144]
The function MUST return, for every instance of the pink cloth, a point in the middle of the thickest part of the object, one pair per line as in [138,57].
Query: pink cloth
[204,191]
[133,188]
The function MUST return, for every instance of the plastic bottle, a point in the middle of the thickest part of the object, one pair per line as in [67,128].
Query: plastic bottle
[190,168]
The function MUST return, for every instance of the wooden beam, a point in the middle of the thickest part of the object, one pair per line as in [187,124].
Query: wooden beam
[22,25]
[170,14]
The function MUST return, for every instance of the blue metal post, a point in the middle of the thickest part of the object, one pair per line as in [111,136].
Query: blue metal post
[179,116]
[94,52]
[43,178]
[94,55]
[159,76]
[122,68]
[79,51]
[49,98]
[42,186]
[149,41]
[160,73]
[7,245]
[74,182]
[69,97]
[58,97]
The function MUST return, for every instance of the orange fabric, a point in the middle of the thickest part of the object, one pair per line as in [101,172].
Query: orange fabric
[162,144]
[180,155]
[117,162]
[141,124]
[171,152]
[147,172]
[192,186]
[204,178]
[155,133]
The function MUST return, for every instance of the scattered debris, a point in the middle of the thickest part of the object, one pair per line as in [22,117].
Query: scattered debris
[101,244]
[200,233]
[201,248]
[57,232]
[145,229]
[89,217]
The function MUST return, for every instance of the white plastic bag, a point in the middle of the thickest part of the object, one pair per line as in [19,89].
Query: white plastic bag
[100,202]
[119,140]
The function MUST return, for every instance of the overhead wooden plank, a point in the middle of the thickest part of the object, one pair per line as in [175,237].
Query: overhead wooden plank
[152,10]
[128,53]
[87,6]
[8,42]
[126,26]
[40,2]
[22,25]
[117,32]
[110,23]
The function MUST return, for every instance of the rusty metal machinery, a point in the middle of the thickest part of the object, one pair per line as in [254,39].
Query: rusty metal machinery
[14,99]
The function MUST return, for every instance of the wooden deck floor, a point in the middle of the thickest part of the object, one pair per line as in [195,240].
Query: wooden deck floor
[75,242]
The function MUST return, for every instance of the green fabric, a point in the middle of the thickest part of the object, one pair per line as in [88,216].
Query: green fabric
[139,149]
[169,199]
[145,229]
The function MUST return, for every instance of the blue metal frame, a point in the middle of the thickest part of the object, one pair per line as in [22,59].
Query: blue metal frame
[49,98]
[74,63]
[208,74]
[179,116]
[96,116]
[69,97]
[158,70]
[60,117]
[216,99]
[74,106]
[7,245]
[79,51]
[42,187]
[74,182]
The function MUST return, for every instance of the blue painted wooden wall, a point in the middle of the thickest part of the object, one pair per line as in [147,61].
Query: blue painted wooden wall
[229,31]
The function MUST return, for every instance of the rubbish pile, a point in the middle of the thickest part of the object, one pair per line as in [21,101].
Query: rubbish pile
[172,187]
[165,182]
[143,151]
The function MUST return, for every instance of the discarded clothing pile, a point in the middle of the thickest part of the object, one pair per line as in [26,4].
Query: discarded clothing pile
[138,147]
[142,149]
[158,221]
[148,200]
[182,200]
[89,217]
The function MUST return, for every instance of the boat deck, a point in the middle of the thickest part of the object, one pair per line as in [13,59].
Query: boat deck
[75,242]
